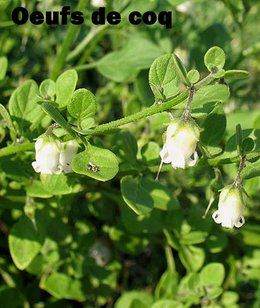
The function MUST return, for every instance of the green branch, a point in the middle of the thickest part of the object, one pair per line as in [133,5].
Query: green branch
[13,149]
[62,54]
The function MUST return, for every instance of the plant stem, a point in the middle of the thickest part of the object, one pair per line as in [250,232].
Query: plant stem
[62,54]
[237,181]
[169,258]
[13,149]
[83,44]
[155,108]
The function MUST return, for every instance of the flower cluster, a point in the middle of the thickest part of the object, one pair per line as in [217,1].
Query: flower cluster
[53,156]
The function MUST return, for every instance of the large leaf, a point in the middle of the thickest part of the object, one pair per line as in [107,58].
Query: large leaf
[143,194]
[25,241]
[24,108]
[124,64]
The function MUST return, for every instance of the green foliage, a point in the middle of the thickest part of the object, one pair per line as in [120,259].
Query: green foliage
[104,228]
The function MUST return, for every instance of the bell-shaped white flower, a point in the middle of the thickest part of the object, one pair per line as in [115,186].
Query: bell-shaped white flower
[47,152]
[68,151]
[180,145]
[230,208]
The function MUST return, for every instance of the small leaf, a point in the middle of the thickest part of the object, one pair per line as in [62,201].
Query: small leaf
[3,67]
[248,145]
[236,74]
[214,57]
[25,241]
[5,114]
[62,286]
[193,76]
[163,77]
[97,163]
[126,300]
[219,74]
[65,86]
[47,89]
[82,104]
[143,194]
[213,274]
[167,286]
[167,303]
[251,170]
[192,257]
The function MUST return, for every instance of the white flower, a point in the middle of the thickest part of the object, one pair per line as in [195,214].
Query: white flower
[98,3]
[47,152]
[230,208]
[180,144]
[68,151]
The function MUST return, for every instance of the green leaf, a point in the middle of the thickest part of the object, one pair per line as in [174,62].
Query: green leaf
[219,74]
[213,274]
[164,77]
[236,74]
[62,286]
[47,89]
[52,185]
[82,104]
[137,54]
[192,257]
[65,86]
[193,76]
[214,57]
[143,194]
[126,300]
[213,128]
[150,152]
[24,108]
[167,286]
[211,93]
[194,237]
[206,98]
[251,170]
[167,303]
[3,67]
[5,115]
[54,113]
[11,297]
[25,241]
[248,145]
[97,163]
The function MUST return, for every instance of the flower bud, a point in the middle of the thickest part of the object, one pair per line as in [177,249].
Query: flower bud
[230,208]
[47,152]
[180,144]
[68,151]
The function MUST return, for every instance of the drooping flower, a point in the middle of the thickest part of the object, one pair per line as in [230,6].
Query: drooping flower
[68,151]
[180,145]
[230,208]
[47,155]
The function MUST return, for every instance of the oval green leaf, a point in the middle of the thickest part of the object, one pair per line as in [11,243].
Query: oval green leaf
[97,163]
